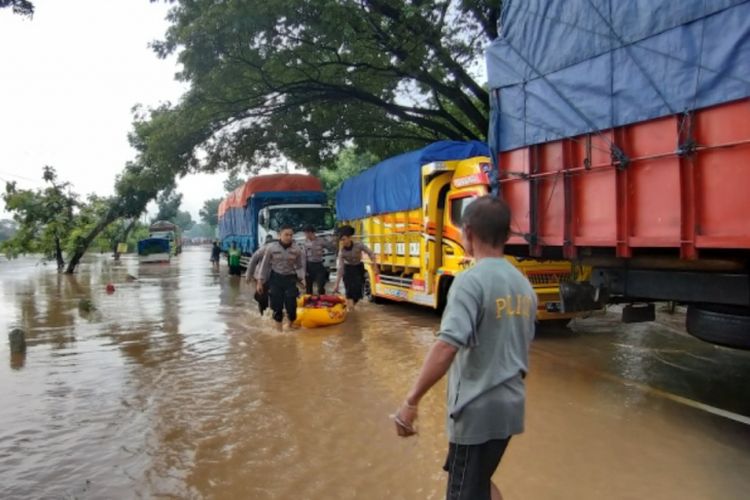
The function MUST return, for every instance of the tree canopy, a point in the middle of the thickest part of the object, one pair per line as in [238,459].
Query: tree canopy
[169,203]
[283,81]
[22,7]
[298,80]
[348,163]
[45,217]
[209,214]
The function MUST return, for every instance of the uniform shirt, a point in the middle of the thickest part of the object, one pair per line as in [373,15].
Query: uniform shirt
[284,261]
[352,256]
[253,269]
[314,249]
[233,256]
[489,317]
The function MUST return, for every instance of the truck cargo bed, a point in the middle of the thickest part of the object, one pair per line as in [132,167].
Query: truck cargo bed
[681,186]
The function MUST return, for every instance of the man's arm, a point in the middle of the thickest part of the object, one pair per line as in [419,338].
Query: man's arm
[301,264]
[373,260]
[265,270]
[339,271]
[254,263]
[434,367]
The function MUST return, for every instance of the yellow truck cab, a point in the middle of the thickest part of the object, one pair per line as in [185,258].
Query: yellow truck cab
[419,250]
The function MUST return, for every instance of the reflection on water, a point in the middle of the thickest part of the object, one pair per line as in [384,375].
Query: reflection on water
[173,386]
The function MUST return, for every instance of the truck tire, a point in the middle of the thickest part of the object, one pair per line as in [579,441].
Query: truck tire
[367,292]
[720,324]
[553,325]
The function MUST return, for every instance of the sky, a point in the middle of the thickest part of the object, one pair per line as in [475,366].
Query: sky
[69,78]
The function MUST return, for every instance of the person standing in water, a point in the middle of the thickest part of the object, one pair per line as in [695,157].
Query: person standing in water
[316,272]
[233,259]
[483,344]
[215,255]
[350,267]
[282,267]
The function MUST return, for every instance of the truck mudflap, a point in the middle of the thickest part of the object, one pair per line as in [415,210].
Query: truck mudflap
[581,297]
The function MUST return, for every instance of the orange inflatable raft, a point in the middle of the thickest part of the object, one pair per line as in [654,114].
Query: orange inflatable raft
[314,311]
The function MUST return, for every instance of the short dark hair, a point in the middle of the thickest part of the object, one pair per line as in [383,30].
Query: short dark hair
[346,231]
[309,229]
[285,227]
[488,218]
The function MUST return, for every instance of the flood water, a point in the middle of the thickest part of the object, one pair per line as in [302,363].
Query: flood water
[173,387]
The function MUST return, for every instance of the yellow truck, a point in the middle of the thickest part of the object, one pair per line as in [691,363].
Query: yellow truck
[408,210]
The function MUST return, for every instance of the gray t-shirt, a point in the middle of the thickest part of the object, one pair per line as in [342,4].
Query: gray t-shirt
[489,317]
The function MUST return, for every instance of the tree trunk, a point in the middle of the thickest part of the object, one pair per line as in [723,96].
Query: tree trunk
[84,245]
[125,235]
[59,255]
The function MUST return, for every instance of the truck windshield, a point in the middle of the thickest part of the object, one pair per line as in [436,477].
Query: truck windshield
[458,207]
[321,218]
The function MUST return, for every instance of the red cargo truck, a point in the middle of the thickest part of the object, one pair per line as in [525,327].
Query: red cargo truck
[631,156]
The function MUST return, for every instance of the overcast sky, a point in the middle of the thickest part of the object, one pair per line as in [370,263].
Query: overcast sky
[68,80]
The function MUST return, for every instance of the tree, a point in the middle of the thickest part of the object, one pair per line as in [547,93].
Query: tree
[22,7]
[45,217]
[169,205]
[233,181]
[209,214]
[184,220]
[165,142]
[348,163]
[299,80]
[169,209]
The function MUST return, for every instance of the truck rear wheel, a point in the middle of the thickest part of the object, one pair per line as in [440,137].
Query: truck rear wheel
[367,291]
[553,325]
[720,324]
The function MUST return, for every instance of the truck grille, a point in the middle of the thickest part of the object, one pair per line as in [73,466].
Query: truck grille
[541,279]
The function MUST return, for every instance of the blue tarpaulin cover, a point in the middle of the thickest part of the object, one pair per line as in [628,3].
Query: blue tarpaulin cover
[150,246]
[393,185]
[562,68]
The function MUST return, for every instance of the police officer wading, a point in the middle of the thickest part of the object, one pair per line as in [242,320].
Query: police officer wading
[282,267]
[314,250]
[253,273]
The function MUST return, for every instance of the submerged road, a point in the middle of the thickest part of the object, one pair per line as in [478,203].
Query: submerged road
[173,387]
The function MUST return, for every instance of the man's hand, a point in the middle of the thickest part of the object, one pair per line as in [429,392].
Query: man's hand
[303,284]
[404,420]
[259,288]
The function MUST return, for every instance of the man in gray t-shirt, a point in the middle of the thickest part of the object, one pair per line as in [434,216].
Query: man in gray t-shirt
[483,345]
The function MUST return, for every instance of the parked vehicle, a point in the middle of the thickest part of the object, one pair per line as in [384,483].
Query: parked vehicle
[621,140]
[408,209]
[259,208]
[163,242]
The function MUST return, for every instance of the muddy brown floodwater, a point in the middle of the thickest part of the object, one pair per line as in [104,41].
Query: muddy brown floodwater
[173,387]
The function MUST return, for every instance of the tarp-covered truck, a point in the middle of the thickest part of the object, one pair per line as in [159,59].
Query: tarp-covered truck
[620,133]
[164,240]
[265,203]
[407,209]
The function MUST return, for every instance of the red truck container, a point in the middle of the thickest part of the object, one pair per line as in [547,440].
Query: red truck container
[658,207]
